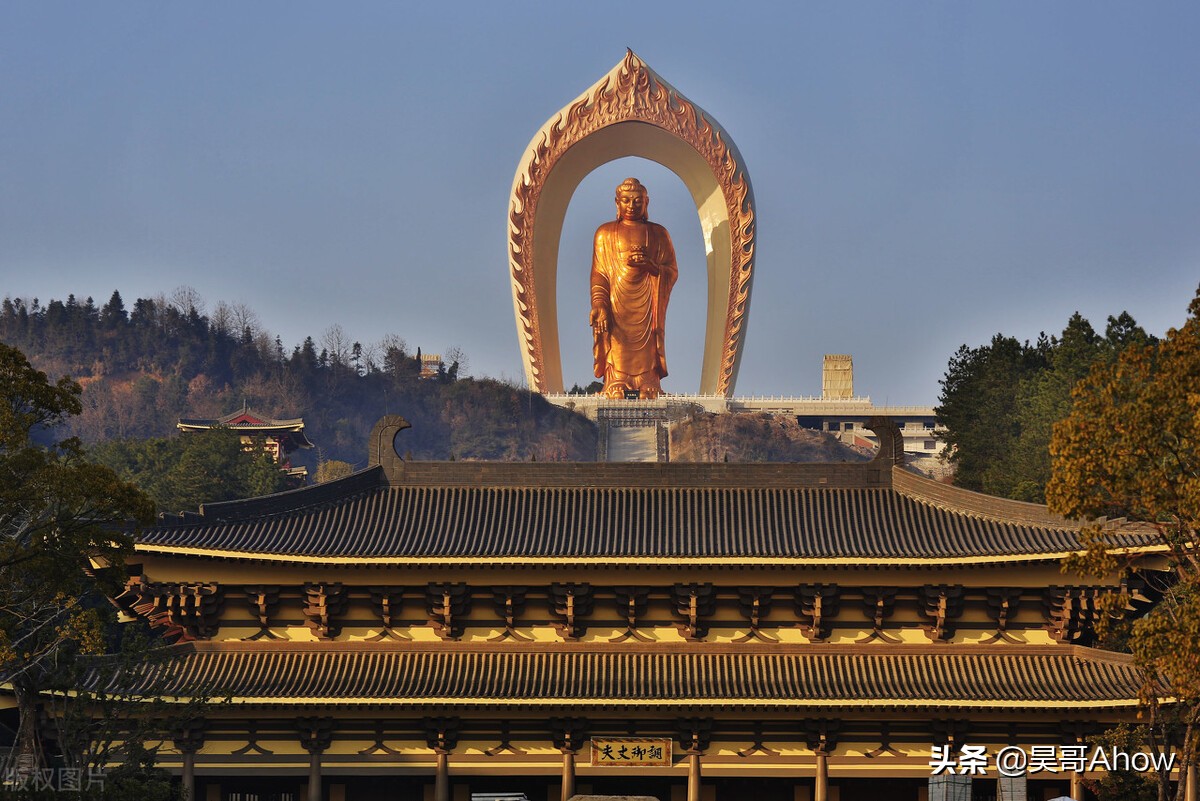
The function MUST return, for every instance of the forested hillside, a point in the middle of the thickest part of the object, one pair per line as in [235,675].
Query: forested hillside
[145,366]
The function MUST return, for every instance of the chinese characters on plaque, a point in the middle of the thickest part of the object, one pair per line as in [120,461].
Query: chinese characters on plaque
[632,751]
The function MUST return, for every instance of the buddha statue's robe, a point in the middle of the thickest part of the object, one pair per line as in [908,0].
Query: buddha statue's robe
[631,355]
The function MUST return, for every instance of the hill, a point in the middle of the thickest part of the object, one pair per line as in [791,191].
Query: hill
[760,437]
[143,369]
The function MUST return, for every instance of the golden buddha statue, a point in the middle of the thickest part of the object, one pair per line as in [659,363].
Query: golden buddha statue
[633,270]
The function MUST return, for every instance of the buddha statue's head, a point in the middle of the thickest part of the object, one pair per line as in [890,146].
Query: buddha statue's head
[632,201]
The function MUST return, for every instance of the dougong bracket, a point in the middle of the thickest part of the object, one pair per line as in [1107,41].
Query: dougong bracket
[755,605]
[757,746]
[264,604]
[572,602]
[1002,603]
[387,601]
[441,733]
[186,611]
[821,735]
[878,603]
[694,734]
[378,747]
[505,742]
[942,604]
[324,603]
[1071,612]
[632,603]
[817,605]
[447,606]
[316,734]
[568,734]
[694,603]
[510,602]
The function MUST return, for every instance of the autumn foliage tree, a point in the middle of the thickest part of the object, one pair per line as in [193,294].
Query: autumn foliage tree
[1130,448]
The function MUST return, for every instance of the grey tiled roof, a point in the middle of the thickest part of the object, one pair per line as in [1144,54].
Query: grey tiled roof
[507,521]
[794,676]
[615,511]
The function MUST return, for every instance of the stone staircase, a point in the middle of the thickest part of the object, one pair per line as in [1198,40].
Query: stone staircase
[633,435]
[633,444]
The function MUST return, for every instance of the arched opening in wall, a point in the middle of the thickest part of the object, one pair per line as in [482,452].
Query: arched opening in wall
[672,206]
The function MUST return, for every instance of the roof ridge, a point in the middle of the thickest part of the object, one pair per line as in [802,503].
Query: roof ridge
[976,504]
[290,501]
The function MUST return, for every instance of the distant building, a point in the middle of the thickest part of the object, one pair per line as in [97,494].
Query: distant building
[279,438]
[837,376]
[431,365]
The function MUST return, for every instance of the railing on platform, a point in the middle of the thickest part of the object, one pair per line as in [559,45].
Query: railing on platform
[801,404]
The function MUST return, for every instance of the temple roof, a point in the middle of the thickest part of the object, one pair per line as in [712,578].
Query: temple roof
[248,421]
[606,677]
[523,512]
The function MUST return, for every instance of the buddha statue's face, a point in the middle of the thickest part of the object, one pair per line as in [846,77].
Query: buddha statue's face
[631,205]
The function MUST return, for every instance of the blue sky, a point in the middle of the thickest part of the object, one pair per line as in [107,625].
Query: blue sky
[926,174]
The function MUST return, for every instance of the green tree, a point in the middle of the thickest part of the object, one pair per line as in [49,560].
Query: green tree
[999,403]
[58,514]
[1130,448]
[181,473]
[979,410]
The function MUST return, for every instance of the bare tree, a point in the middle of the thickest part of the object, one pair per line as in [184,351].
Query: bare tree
[245,319]
[392,342]
[337,344]
[370,358]
[455,354]
[187,300]
[221,319]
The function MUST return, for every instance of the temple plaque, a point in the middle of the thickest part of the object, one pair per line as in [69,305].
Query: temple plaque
[631,751]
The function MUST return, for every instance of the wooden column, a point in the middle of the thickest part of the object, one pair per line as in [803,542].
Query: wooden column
[1078,732]
[441,779]
[1190,792]
[569,735]
[821,788]
[316,734]
[314,776]
[441,734]
[568,775]
[189,739]
[821,737]
[695,735]
[188,781]
[693,793]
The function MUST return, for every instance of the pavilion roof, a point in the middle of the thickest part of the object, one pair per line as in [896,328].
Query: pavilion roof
[441,676]
[248,421]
